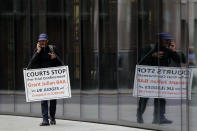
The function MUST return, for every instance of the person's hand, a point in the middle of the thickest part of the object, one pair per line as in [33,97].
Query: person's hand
[53,56]
[158,54]
[38,47]
[172,46]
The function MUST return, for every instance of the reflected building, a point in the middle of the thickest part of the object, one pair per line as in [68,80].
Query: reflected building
[100,41]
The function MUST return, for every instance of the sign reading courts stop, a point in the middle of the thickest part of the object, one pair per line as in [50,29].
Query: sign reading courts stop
[47,83]
[162,82]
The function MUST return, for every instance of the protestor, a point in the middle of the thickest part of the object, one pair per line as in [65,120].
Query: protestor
[161,53]
[45,56]
[191,56]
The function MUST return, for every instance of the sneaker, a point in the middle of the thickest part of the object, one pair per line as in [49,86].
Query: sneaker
[165,121]
[140,119]
[53,122]
[162,121]
[44,123]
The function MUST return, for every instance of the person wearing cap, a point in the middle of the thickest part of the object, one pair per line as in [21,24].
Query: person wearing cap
[191,56]
[162,53]
[45,57]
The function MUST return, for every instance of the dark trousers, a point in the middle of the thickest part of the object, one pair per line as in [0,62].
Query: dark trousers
[52,109]
[159,107]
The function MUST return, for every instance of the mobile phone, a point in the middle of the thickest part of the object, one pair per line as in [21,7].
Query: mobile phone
[169,44]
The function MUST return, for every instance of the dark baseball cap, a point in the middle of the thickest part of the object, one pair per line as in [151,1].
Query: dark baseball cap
[43,36]
[164,36]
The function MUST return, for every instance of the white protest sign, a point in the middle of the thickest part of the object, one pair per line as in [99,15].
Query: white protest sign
[47,83]
[162,82]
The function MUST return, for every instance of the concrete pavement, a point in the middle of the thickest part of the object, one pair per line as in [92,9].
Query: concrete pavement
[19,123]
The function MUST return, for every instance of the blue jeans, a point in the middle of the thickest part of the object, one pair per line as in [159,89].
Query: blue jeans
[52,109]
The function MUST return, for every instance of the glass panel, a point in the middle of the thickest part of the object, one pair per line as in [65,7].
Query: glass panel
[192,61]
[39,6]
[101,41]
[6,102]
[108,44]
[21,106]
[176,110]
[127,57]
[108,60]
[72,56]
[6,6]
[61,33]
[23,48]
[54,29]
[89,42]
[149,22]
[14,25]
[21,6]
[89,45]
[55,6]
[156,16]
[57,19]
[35,108]
[7,51]
[108,110]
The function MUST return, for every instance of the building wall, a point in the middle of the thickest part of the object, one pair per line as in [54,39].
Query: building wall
[101,42]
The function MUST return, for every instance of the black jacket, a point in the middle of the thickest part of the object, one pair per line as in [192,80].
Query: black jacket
[169,59]
[43,59]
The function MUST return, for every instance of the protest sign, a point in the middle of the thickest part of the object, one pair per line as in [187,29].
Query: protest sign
[162,82]
[47,83]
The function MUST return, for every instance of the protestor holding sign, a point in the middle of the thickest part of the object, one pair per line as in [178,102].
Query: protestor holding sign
[46,56]
[160,54]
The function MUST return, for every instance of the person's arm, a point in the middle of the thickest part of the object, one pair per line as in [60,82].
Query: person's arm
[146,55]
[34,60]
[56,57]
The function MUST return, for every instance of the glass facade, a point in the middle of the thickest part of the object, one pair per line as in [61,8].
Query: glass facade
[101,42]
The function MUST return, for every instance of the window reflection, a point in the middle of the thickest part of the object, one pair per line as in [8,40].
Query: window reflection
[156,17]
[55,6]
[89,45]
[126,58]
[5,24]
[192,53]
[6,6]
[101,41]
[108,44]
